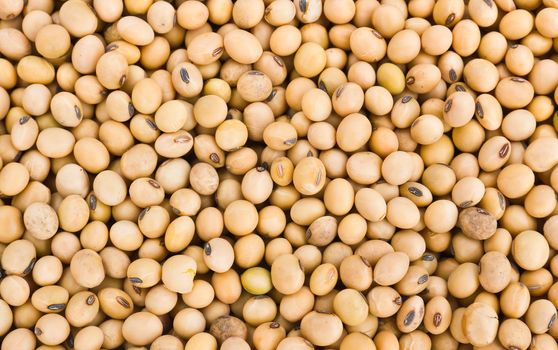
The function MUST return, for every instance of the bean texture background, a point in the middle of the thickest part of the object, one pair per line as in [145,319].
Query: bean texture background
[278,174]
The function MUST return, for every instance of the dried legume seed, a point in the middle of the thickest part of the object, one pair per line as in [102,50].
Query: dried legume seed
[228,152]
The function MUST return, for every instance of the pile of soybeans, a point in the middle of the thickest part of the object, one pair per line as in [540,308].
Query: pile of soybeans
[278,174]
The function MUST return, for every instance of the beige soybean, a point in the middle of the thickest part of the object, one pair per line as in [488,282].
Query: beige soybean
[399,205]
[89,337]
[480,324]
[323,279]
[459,109]
[495,272]
[411,314]
[177,273]
[279,13]
[41,220]
[135,30]
[242,46]
[218,255]
[329,323]
[391,268]
[530,240]
[350,306]
[310,52]
[353,132]
[144,272]
[52,329]
[540,316]
[466,274]
[286,274]
[514,333]
[78,18]
[142,328]
[87,268]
